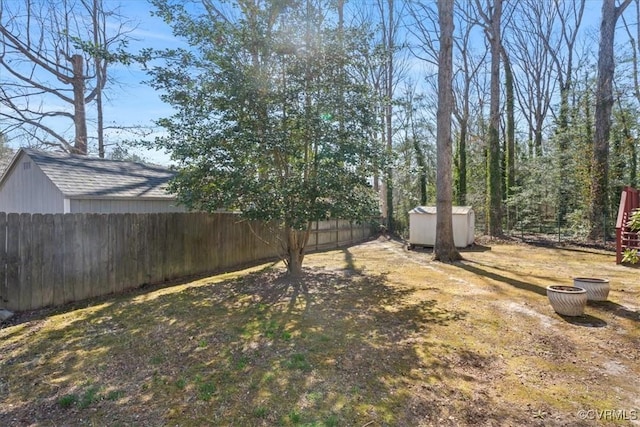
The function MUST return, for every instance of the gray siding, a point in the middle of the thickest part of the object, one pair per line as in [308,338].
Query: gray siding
[27,189]
[124,206]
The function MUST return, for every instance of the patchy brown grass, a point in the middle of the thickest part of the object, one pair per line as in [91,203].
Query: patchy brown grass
[372,335]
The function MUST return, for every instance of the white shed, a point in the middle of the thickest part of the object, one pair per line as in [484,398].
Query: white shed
[422,226]
[50,182]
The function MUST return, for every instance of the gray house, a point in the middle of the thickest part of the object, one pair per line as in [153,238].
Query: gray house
[48,182]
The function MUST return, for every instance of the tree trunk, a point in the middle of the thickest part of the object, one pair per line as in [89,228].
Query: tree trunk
[510,142]
[100,68]
[388,116]
[565,78]
[445,249]
[420,158]
[422,167]
[563,156]
[295,250]
[633,166]
[494,172]
[462,164]
[79,114]
[599,203]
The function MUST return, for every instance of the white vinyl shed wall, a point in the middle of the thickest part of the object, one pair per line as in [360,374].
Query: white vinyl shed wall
[422,226]
[28,189]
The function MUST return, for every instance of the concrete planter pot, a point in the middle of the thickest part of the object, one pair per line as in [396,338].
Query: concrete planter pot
[567,300]
[597,289]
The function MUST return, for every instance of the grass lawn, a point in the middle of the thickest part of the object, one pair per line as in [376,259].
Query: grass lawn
[371,335]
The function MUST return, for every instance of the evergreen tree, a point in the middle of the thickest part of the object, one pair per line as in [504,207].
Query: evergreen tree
[269,121]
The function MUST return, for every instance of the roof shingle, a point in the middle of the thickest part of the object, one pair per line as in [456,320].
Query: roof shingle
[93,177]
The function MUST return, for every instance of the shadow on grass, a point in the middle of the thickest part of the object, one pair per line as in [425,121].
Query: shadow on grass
[585,320]
[350,264]
[45,312]
[339,348]
[467,266]
[615,309]
[572,246]
[475,248]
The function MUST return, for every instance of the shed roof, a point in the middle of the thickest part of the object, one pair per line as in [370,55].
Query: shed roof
[431,210]
[80,176]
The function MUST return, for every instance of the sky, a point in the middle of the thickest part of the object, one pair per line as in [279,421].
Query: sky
[132,102]
[129,100]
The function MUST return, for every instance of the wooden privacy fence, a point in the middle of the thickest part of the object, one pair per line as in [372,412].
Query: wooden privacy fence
[54,259]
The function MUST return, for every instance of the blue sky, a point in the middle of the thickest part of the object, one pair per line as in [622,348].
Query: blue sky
[131,102]
[136,102]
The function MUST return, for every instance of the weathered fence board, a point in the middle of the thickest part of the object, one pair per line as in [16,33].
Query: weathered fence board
[3,259]
[54,259]
[37,291]
[24,250]
[13,260]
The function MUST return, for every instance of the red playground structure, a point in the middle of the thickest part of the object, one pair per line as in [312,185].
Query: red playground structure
[625,238]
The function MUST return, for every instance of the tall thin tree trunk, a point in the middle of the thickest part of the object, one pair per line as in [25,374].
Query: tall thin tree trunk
[462,164]
[420,157]
[422,166]
[599,203]
[388,115]
[445,249]
[494,172]
[510,140]
[100,74]
[563,148]
[633,166]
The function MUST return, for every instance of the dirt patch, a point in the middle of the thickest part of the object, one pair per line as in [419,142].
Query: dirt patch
[370,335]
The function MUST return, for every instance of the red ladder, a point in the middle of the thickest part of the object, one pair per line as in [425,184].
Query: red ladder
[625,238]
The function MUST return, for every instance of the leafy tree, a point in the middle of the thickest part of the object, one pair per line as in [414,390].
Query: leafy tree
[269,119]
[122,152]
[5,151]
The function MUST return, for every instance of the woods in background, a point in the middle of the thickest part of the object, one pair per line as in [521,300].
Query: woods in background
[545,94]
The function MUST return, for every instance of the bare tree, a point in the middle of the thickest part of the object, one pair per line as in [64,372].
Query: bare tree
[425,28]
[492,18]
[445,249]
[386,66]
[53,61]
[468,66]
[100,38]
[635,48]
[394,68]
[570,14]
[530,46]
[390,32]
[599,203]
[510,136]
